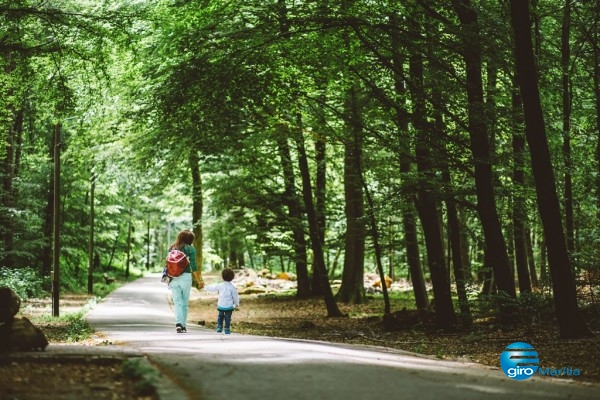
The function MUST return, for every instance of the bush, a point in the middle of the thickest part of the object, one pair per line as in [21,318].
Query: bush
[25,282]
[102,289]
[536,307]
[527,308]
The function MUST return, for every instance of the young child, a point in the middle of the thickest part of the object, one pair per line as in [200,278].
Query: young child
[228,299]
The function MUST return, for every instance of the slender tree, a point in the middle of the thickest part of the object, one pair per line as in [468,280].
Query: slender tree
[307,195]
[480,148]
[295,214]
[427,206]
[519,211]
[320,198]
[566,115]
[197,205]
[352,288]
[411,241]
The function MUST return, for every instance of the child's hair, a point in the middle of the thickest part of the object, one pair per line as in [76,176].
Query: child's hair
[227,274]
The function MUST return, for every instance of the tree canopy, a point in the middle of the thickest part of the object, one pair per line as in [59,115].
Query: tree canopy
[325,138]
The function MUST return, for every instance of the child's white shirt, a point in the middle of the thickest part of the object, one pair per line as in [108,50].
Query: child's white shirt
[228,295]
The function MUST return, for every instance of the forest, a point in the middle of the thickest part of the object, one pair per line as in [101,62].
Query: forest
[455,143]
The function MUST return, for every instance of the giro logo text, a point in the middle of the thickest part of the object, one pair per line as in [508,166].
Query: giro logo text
[519,361]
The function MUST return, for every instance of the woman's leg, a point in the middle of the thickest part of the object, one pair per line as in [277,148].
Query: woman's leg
[180,292]
[186,288]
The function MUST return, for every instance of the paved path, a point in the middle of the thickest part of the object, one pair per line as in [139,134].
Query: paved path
[205,365]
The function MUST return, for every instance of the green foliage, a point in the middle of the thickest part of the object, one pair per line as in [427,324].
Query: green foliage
[69,328]
[535,307]
[527,308]
[25,282]
[77,328]
[139,86]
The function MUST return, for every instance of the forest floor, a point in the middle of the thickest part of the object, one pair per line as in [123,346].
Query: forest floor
[45,376]
[287,317]
[281,315]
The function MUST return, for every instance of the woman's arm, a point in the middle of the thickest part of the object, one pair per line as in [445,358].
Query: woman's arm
[196,273]
[198,279]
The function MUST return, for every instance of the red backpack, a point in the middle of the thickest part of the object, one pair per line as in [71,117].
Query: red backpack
[177,262]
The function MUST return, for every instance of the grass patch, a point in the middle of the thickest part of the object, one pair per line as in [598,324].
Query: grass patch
[70,328]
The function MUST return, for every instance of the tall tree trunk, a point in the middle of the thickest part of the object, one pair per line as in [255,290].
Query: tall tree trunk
[295,213]
[197,204]
[411,241]
[320,192]
[291,197]
[530,258]
[464,242]
[454,235]
[10,168]
[315,240]
[457,262]
[519,208]
[352,289]
[321,185]
[478,133]
[427,208]
[377,248]
[566,106]
[570,321]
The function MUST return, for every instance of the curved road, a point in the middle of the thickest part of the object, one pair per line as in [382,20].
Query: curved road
[205,365]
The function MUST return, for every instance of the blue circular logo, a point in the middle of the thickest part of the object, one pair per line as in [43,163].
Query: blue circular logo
[519,361]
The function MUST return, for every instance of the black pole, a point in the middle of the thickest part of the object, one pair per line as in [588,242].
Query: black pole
[90,286]
[56,224]
[128,249]
[148,248]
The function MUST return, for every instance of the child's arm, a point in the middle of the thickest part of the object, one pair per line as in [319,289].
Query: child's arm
[212,288]
[236,297]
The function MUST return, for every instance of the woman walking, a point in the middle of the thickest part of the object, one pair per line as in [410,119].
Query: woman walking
[182,285]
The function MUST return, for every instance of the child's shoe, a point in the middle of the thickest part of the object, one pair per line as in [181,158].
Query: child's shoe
[227,331]
[219,329]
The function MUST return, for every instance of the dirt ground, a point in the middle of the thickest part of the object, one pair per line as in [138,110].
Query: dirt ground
[284,316]
[37,376]
[65,379]
[287,317]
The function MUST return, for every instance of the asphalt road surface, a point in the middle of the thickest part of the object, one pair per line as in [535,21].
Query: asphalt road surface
[203,364]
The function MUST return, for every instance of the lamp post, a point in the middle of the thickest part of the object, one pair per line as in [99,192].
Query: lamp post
[56,223]
[90,280]
[148,247]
